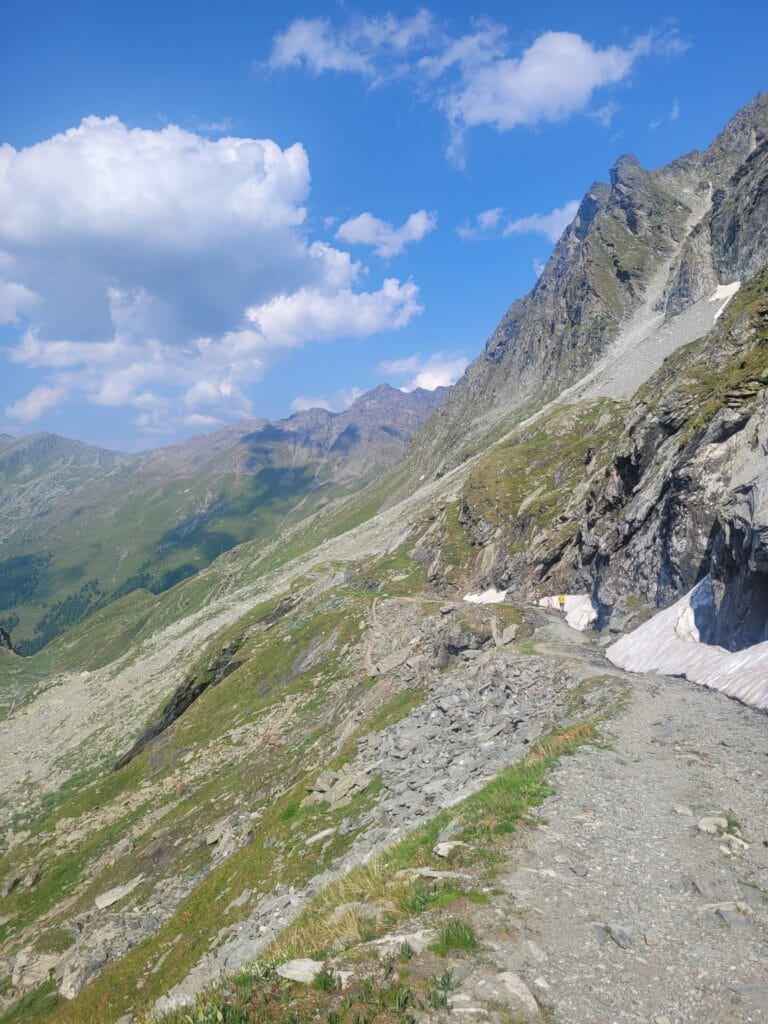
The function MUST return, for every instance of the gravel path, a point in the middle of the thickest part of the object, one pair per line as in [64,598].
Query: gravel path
[632,912]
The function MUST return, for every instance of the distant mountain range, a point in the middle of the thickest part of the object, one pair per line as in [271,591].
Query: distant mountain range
[81,525]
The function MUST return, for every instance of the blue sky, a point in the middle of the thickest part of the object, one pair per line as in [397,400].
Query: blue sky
[216,210]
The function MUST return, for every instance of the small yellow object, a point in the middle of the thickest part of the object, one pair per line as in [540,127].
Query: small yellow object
[561,601]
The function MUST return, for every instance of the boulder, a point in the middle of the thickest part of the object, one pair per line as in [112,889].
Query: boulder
[303,971]
[31,969]
[446,849]
[106,899]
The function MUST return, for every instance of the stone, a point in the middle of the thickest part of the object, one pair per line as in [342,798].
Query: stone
[33,875]
[10,884]
[520,997]
[388,945]
[341,793]
[734,843]
[508,634]
[320,835]
[447,609]
[712,826]
[78,966]
[683,810]
[124,847]
[446,849]
[239,901]
[107,899]
[621,936]
[755,991]
[731,918]
[392,661]
[304,970]
[31,969]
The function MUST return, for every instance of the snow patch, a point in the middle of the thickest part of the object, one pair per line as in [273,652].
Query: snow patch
[491,596]
[580,612]
[669,643]
[724,292]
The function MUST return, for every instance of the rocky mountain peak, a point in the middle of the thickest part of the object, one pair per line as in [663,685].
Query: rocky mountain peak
[626,171]
[739,137]
[650,241]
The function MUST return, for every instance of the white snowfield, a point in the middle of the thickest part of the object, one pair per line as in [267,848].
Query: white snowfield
[579,610]
[491,596]
[669,643]
[724,291]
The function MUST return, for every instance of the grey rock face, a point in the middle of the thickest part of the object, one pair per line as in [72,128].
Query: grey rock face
[693,224]
[683,496]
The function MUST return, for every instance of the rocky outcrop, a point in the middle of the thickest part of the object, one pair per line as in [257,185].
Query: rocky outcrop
[184,697]
[5,640]
[683,495]
[476,719]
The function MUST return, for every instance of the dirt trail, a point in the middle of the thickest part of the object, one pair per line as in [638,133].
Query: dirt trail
[630,912]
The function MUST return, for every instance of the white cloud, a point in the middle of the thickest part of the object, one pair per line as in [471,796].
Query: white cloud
[492,223]
[144,263]
[386,239]
[33,405]
[432,372]
[674,113]
[288,321]
[372,47]
[340,401]
[605,114]
[475,79]
[551,225]
[302,403]
[554,78]
[15,300]
[485,224]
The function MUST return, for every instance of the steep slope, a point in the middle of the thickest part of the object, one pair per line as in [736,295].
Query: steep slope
[261,760]
[642,249]
[83,526]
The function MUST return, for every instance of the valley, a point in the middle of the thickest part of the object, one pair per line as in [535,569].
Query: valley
[304,778]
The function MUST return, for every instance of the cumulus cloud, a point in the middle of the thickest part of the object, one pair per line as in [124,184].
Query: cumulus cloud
[163,270]
[434,371]
[551,225]
[492,223]
[386,239]
[476,78]
[288,321]
[15,301]
[553,78]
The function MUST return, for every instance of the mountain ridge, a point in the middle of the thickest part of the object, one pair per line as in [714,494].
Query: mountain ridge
[656,221]
[254,773]
[91,524]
